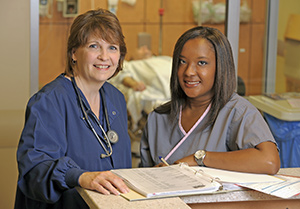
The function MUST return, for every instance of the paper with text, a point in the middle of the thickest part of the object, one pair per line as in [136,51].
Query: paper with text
[284,189]
[166,181]
[226,176]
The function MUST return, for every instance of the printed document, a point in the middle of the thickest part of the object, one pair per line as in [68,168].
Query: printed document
[174,180]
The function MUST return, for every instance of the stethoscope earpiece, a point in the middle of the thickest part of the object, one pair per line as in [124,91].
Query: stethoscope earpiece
[104,155]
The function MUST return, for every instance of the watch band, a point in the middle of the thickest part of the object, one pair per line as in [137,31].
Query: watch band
[199,157]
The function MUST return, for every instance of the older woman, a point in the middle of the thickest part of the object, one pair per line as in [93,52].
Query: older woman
[76,126]
[206,123]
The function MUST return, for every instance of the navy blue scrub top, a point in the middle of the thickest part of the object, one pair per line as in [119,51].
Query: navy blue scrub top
[57,145]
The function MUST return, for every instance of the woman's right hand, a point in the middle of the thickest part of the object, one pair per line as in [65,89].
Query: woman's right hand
[104,182]
[160,165]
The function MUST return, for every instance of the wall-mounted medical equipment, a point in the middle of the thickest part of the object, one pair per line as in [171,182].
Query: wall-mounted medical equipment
[46,8]
[113,5]
[206,11]
[70,8]
[144,39]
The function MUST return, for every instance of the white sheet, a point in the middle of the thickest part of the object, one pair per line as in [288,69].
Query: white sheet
[155,72]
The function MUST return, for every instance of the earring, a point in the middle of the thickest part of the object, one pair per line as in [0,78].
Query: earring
[74,61]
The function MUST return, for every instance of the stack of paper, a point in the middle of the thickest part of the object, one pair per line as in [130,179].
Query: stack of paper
[157,182]
[276,185]
[284,189]
[181,180]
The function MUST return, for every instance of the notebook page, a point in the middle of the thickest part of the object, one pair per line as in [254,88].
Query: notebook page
[165,181]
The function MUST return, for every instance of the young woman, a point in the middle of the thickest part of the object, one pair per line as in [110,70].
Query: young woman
[206,123]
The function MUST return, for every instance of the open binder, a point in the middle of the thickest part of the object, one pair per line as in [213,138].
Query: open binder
[169,181]
[182,180]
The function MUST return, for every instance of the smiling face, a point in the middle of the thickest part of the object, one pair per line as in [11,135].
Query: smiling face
[196,70]
[96,61]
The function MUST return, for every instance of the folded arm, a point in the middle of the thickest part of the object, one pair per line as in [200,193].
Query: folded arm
[264,158]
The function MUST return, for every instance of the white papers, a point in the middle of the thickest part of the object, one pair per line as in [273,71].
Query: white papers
[276,185]
[226,176]
[284,189]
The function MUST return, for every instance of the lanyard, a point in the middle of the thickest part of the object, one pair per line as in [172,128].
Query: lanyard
[189,132]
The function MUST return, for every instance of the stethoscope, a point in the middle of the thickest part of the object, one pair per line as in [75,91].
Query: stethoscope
[111,137]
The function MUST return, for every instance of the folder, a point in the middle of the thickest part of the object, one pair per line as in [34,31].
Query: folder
[168,181]
[183,180]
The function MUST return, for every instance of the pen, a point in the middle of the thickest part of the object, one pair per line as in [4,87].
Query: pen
[163,160]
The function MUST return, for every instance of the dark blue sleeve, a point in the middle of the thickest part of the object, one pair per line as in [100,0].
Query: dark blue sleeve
[44,169]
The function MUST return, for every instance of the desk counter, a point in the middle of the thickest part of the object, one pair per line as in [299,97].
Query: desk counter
[238,199]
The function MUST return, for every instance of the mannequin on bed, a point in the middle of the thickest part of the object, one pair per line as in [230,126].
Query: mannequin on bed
[144,82]
[141,53]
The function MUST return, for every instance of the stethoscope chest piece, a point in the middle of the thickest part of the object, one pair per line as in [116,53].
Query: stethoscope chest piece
[112,136]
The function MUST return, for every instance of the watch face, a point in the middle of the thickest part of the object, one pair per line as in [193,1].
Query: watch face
[199,154]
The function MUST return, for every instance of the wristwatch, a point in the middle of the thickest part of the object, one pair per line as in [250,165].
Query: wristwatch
[199,157]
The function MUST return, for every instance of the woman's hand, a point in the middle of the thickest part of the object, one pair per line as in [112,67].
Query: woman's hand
[190,160]
[160,165]
[104,182]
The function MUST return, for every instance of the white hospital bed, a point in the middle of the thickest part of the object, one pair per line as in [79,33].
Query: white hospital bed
[155,72]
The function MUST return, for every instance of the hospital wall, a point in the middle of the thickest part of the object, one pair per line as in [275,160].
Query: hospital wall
[286,9]
[144,17]
[14,88]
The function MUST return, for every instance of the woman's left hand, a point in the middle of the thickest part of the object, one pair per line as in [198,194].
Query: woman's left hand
[190,160]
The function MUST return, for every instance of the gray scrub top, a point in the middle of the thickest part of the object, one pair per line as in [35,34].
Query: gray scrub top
[239,125]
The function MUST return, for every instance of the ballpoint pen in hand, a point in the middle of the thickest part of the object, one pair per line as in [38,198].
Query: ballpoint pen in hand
[163,160]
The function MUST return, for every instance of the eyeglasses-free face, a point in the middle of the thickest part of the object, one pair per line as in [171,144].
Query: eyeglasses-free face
[96,61]
[197,67]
